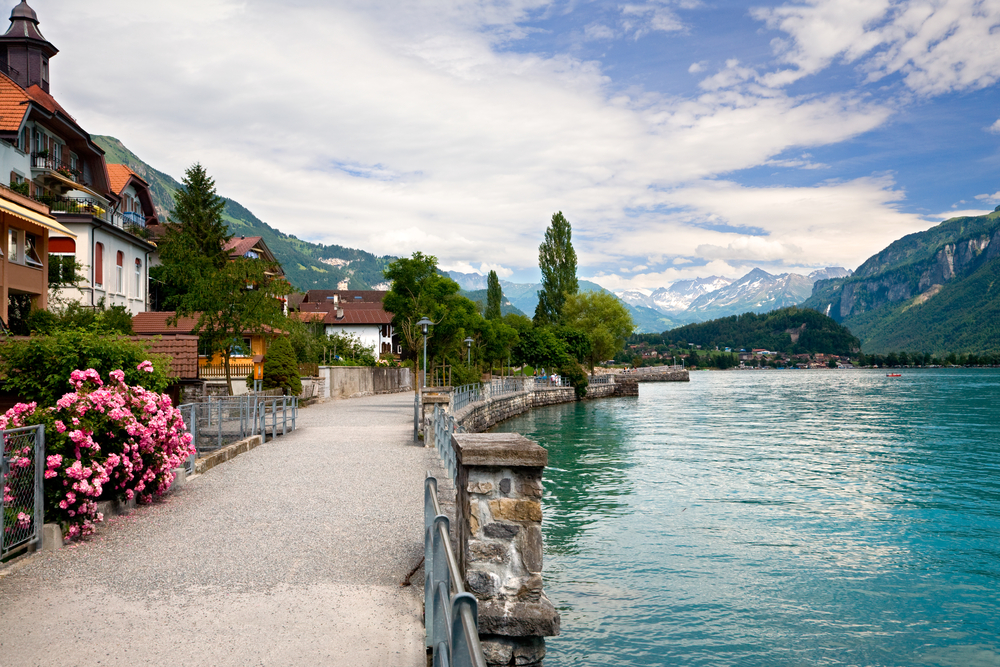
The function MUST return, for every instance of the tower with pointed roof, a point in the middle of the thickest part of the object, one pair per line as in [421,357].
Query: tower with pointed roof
[24,51]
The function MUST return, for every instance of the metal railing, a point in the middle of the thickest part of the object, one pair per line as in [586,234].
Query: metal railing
[606,378]
[450,613]
[551,381]
[444,425]
[22,510]
[217,422]
[467,393]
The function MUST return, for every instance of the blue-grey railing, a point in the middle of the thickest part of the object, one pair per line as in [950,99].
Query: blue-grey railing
[22,509]
[450,613]
[607,378]
[217,422]
[466,394]
[444,425]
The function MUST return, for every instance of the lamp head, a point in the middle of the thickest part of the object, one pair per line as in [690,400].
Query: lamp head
[423,324]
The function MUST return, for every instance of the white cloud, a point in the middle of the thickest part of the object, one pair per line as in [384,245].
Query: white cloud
[994,128]
[640,19]
[502,271]
[697,67]
[401,127]
[936,46]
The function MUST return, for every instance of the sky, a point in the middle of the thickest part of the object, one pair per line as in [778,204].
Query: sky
[680,138]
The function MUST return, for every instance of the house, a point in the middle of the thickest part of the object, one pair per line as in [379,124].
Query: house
[25,228]
[355,312]
[52,160]
[247,352]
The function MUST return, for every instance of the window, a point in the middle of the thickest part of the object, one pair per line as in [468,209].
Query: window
[138,279]
[14,245]
[31,256]
[120,273]
[99,265]
[45,70]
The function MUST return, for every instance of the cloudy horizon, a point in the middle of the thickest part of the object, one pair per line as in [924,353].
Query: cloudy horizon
[681,138]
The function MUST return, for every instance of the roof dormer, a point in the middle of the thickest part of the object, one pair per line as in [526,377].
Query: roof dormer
[24,51]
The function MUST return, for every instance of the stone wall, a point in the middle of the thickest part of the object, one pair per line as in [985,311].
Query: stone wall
[663,376]
[499,520]
[353,381]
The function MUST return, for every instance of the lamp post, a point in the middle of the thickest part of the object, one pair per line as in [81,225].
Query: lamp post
[423,324]
[468,344]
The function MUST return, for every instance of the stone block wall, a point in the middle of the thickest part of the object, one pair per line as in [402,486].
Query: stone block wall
[499,520]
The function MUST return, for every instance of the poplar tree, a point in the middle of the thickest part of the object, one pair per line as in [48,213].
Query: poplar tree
[494,295]
[557,261]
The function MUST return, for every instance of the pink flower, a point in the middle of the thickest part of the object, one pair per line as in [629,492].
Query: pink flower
[118,376]
[145,366]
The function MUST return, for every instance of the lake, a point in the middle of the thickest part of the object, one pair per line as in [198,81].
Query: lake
[776,518]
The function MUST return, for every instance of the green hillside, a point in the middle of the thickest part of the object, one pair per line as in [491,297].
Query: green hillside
[931,292]
[302,261]
[790,330]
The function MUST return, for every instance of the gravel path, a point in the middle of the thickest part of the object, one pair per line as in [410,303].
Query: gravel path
[290,554]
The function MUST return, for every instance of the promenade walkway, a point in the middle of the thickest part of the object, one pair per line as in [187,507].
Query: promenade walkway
[290,554]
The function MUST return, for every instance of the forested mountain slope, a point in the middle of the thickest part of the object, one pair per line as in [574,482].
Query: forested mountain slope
[932,291]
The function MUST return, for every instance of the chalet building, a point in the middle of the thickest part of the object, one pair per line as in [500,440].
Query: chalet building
[357,312]
[52,160]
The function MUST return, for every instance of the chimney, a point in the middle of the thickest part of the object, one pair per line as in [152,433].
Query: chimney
[340,313]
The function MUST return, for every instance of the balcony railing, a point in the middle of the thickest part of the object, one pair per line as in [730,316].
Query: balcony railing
[133,218]
[239,369]
[52,163]
[132,223]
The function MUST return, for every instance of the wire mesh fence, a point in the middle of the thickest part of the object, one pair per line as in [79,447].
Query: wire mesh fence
[21,478]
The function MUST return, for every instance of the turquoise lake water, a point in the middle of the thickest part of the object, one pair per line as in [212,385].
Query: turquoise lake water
[776,518]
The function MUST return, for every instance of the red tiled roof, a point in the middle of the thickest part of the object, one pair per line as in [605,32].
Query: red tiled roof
[13,105]
[359,316]
[156,323]
[182,350]
[308,307]
[42,98]
[238,247]
[119,175]
[346,296]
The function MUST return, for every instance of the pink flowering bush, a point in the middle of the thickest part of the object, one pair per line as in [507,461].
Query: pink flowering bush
[109,441]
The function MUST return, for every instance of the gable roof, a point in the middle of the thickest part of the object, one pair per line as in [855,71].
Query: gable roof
[152,323]
[13,105]
[373,316]
[119,176]
[238,247]
[345,296]
[46,101]
[182,350]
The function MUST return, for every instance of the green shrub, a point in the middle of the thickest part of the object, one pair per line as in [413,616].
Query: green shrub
[574,373]
[281,368]
[39,369]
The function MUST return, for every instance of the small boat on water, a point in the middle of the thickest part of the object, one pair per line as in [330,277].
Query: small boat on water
[894,375]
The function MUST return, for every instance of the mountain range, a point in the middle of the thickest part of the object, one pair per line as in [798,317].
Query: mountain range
[306,265]
[936,291]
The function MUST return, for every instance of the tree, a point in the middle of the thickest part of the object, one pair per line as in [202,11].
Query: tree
[494,295]
[557,261]
[281,369]
[241,298]
[194,246]
[417,291]
[605,320]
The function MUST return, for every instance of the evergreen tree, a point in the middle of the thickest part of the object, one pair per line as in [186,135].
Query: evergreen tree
[557,261]
[494,295]
[198,210]
[281,369]
[194,246]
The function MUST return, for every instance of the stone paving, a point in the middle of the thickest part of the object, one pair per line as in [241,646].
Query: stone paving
[290,554]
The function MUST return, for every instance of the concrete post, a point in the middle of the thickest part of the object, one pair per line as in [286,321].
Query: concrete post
[429,397]
[499,525]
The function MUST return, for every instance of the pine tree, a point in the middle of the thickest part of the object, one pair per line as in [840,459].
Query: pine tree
[494,295]
[198,211]
[557,261]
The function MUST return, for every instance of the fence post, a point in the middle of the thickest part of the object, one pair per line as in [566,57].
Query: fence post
[274,418]
[220,424]
[40,486]
[284,415]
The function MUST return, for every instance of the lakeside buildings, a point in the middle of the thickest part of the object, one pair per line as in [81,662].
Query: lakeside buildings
[100,213]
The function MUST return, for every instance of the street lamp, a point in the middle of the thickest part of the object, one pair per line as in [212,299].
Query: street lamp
[468,343]
[423,324]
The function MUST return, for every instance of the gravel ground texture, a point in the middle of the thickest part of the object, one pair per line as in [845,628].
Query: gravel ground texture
[290,554]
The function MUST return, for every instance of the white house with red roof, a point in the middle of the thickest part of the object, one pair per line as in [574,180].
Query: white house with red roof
[354,312]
